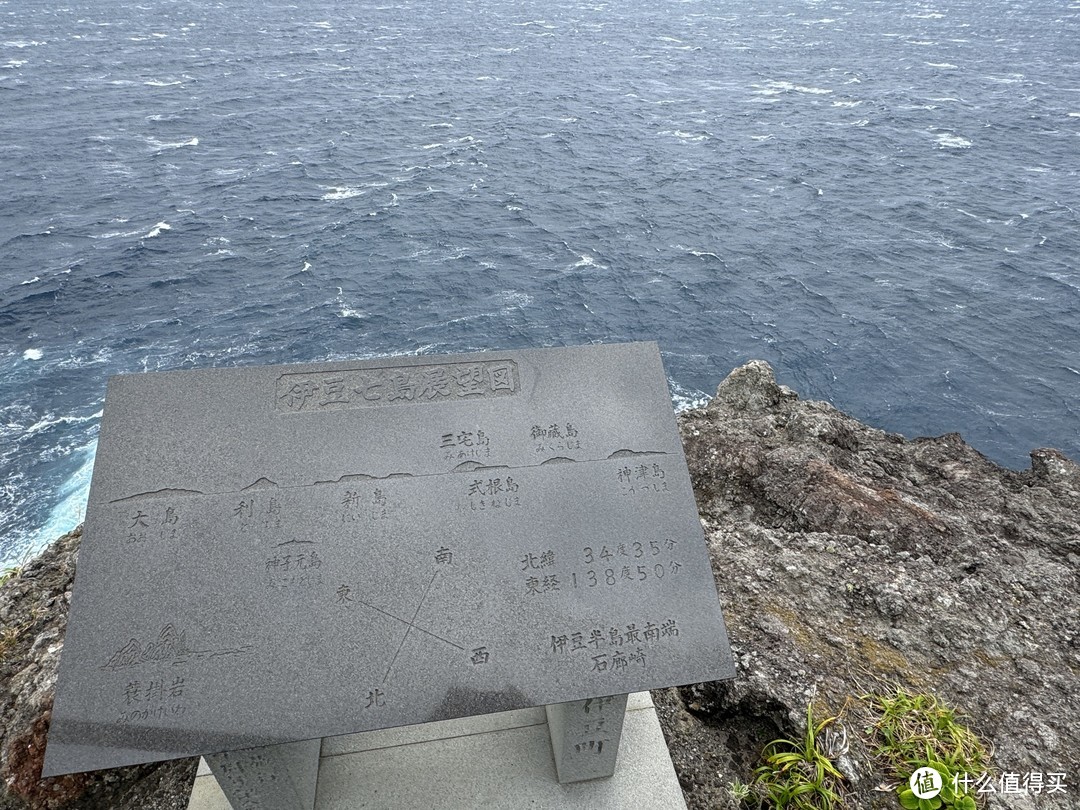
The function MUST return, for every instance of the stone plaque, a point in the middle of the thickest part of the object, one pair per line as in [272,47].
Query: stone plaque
[285,553]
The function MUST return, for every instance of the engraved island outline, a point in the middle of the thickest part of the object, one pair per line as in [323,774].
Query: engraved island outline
[473,649]
[263,483]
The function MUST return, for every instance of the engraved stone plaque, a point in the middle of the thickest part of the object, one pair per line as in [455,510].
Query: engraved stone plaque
[278,554]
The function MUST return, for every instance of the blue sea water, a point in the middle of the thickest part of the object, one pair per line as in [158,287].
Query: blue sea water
[878,197]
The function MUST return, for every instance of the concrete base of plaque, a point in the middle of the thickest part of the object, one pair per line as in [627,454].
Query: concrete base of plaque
[585,737]
[504,760]
[278,777]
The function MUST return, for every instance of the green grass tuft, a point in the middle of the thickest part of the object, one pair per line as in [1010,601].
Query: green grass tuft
[799,774]
[10,573]
[913,731]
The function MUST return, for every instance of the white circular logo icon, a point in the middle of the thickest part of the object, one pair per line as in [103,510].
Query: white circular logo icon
[925,783]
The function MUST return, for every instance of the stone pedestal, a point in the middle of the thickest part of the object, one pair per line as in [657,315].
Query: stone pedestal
[501,760]
[278,777]
[585,737]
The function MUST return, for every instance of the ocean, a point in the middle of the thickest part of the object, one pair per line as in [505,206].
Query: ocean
[879,198]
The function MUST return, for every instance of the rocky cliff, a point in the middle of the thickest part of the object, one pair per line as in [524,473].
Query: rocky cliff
[849,560]
[846,558]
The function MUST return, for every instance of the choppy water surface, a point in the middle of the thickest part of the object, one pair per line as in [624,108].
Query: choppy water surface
[880,198]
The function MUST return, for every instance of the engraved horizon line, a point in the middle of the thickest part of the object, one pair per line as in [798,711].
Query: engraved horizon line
[162,493]
[623,453]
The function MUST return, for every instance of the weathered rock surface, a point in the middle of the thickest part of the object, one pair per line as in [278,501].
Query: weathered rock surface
[33,617]
[843,555]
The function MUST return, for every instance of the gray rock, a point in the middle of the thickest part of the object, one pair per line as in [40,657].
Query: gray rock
[848,558]
[33,609]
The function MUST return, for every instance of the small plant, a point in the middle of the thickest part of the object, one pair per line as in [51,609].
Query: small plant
[739,790]
[10,572]
[914,731]
[9,637]
[799,774]
[11,569]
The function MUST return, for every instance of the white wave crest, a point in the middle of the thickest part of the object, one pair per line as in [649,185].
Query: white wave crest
[157,229]
[71,509]
[686,136]
[775,88]
[585,260]
[949,140]
[33,354]
[172,144]
[50,419]
[341,192]
[683,399]
[115,234]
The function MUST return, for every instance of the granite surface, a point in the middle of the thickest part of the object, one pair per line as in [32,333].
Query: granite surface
[285,553]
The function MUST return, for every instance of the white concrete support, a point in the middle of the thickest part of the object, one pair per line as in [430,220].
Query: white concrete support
[277,777]
[499,761]
[585,736]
